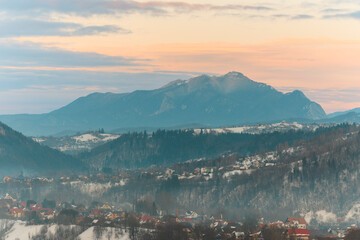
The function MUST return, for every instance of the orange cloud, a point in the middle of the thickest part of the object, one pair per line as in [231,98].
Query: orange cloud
[293,63]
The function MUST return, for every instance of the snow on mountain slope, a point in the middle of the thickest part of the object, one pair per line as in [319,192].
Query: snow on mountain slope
[86,138]
[257,129]
[78,143]
[109,137]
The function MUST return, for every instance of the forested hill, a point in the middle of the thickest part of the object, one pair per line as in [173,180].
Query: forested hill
[314,173]
[21,154]
[319,178]
[162,148]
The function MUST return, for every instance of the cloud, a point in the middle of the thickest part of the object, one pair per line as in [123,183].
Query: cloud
[91,7]
[34,55]
[290,17]
[198,7]
[95,30]
[281,16]
[31,27]
[302,16]
[124,82]
[39,91]
[332,10]
[354,15]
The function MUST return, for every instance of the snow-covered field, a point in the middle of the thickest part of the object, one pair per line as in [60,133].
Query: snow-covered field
[90,137]
[104,234]
[86,138]
[19,230]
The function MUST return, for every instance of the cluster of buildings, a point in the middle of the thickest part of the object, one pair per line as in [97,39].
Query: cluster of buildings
[297,228]
[294,228]
[105,215]
[10,207]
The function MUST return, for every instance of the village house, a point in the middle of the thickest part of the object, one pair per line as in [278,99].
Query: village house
[298,234]
[106,207]
[6,203]
[7,179]
[147,219]
[8,197]
[95,213]
[191,214]
[17,213]
[206,170]
[294,222]
[112,216]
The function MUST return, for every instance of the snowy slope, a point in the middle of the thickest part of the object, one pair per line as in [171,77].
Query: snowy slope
[107,233]
[78,143]
[21,231]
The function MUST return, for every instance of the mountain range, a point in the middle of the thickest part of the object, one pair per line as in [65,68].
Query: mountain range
[210,101]
[343,113]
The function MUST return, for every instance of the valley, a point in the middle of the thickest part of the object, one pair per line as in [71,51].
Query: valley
[227,165]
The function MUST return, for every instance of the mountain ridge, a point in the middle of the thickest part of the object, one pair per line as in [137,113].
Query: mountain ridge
[342,113]
[205,100]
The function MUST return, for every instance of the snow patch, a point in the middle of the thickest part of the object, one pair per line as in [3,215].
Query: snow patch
[321,217]
[353,214]
[121,183]
[21,231]
[86,138]
[237,172]
[38,140]
[93,189]
[108,137]
[107,233]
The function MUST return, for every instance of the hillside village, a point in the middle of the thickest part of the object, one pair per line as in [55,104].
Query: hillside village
[150,217]
[99,218]
[142,201]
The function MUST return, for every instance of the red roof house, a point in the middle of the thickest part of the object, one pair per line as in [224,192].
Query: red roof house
[300,234]
[294,222]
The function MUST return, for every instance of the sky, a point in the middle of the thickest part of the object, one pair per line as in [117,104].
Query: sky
[54,51]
